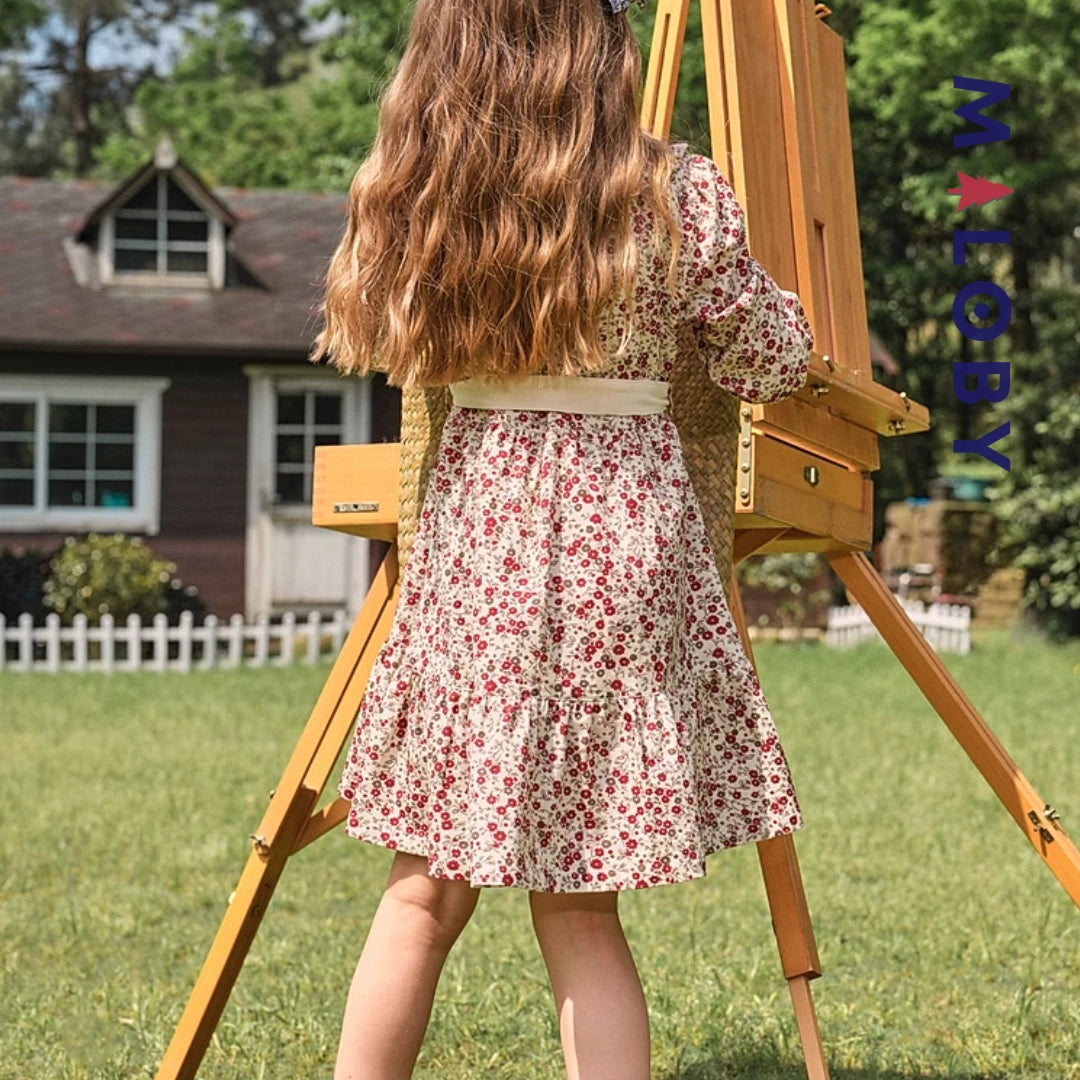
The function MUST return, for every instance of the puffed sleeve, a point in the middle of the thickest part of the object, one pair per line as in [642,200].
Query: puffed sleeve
[754,336]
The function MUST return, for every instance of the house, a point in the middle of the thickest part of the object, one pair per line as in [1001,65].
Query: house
[154,380]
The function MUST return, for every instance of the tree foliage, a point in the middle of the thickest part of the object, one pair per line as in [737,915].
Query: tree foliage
[1039,505]
[903,59]
[59,105]
[19,17]
[250,112]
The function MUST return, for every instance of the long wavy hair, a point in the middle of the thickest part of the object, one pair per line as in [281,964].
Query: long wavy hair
[492,224]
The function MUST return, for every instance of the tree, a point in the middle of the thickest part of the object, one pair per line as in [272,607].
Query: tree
[278,36]
[19,16]
[1039,504]
[62,104]
[308,127]
[212,105]
[902,63]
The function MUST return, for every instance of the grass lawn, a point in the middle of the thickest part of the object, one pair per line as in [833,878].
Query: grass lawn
[948,948]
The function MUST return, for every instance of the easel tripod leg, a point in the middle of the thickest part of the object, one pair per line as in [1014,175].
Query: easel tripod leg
[795,940]
[1031,813]
[283,827]
[789,909]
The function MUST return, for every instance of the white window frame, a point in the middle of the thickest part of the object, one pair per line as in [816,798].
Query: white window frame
[215,244]
[267,381]
[309,386]
[145,394]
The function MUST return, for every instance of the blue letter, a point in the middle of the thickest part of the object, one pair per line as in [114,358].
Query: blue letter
[962,237]
[982,288]
[982,369]
[972,110]
[982,446]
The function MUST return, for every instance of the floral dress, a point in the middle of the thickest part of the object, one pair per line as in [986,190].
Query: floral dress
[563,703]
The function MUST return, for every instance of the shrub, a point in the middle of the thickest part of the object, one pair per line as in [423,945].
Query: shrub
[787,581]
[179,598]
[116,575]
[23,572]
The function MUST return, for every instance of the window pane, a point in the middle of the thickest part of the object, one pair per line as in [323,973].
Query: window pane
[115,493]
[177,199]
[187,262]
[290,409]
[135,228]
[17,454]
[67,492]
[114,456]
[146,197]
[71,419]
[327,408]
[16,492]
[290,449]
[327,438]
[16,416]
[188,230]
[290,487]
[67,455]
[116,419]
[134,260]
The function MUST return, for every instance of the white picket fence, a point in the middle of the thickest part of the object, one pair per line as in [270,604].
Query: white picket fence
[947,627]
[109,647]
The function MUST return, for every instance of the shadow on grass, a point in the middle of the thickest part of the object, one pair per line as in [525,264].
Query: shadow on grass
[725,1067]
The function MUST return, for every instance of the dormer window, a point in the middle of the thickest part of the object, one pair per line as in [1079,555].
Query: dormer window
[160,230]
[161,227]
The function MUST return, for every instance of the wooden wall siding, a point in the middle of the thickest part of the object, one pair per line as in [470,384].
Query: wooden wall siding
[204,453]
[214,564]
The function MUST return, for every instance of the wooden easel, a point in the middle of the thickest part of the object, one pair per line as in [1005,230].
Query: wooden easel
[775,69]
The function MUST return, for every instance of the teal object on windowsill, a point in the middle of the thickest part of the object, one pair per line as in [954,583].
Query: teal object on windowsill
[969,489]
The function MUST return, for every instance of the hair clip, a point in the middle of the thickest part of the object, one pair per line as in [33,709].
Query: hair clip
[614,7]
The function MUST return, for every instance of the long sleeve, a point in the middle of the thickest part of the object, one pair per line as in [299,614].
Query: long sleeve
[754,336]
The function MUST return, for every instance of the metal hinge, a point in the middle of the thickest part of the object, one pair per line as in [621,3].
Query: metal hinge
[1051,815]
[744,476]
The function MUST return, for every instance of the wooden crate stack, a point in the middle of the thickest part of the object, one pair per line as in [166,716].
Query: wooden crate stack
[954,538]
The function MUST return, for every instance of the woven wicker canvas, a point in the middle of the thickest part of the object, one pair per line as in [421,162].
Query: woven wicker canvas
[707,419]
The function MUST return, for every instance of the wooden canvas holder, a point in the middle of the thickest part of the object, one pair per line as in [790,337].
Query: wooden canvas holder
[793,475]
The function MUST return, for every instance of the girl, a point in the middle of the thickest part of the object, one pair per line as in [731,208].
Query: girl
[562,704]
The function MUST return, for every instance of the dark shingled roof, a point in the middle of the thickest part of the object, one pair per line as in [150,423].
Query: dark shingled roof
[282,244]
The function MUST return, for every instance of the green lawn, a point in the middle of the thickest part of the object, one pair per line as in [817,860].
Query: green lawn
[949,950]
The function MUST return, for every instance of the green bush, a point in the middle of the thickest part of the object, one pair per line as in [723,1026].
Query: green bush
[788,580]
[116,575]
[1038,504]
[23,572]
[180,598]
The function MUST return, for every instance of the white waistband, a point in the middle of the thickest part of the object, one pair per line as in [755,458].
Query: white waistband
[565,393]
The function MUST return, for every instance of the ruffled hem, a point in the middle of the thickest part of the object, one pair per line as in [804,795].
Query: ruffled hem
[515,786]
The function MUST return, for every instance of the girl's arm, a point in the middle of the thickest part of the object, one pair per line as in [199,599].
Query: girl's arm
[754,336]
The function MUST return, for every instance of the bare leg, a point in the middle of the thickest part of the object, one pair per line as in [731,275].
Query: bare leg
[603,1018]
[389,1004]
